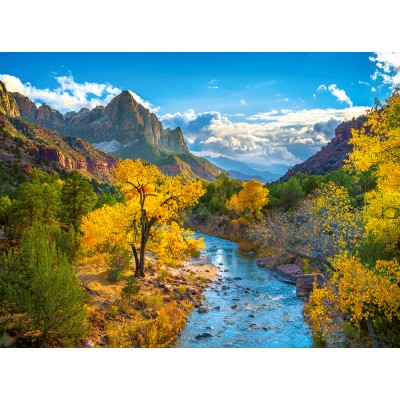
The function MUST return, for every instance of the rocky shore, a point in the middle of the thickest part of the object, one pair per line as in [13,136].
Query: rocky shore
[294,275]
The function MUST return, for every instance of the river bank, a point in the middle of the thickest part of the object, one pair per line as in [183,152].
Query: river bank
[167,296]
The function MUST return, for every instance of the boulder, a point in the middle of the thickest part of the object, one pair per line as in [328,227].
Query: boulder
[305,282]
[204,335]
[202,310]
[288,273]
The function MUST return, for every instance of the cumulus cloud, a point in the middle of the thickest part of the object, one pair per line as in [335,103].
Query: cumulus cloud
[388,68]
[340,94]
[69,95]
[283,137]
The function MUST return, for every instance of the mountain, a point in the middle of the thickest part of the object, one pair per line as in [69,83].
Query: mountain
[331,157]
[240,170]
[25,145]
[8,105]
[126,129]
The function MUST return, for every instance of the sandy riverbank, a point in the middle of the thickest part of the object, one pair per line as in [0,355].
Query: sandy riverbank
[183,285]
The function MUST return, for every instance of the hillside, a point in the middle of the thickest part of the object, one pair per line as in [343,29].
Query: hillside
[331,157]
[25,145]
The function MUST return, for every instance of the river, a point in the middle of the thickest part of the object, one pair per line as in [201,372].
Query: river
[265,313]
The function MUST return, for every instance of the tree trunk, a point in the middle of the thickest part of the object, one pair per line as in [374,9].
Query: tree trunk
[372,333]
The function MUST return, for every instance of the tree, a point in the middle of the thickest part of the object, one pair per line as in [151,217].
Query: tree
[321,226]
[365,285]
[42,284]
[153,202]
[77,197]
[34,203]
[250,200]
[357,291]
[376,147]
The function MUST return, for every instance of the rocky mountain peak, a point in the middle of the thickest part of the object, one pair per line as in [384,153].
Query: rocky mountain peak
[8,106]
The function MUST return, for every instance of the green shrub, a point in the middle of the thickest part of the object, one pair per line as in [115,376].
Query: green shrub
[114,275]
[131,288]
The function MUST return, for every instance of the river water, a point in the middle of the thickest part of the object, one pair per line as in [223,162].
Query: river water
[268,313]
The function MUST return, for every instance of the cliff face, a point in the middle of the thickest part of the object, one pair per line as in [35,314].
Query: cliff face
[125,129]
[331,157]
[27,108]
[123,120]
[30,145]
[173,139]
[8,106]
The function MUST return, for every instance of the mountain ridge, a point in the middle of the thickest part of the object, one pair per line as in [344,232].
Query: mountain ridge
[331,157]
[123,128]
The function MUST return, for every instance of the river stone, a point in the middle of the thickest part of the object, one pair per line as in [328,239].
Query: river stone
[237,278]
[204,335]
[202,310]
[234,307]
[225,287]
[209,327]
[251,315]
[305,282]
[217,308]
[198,303]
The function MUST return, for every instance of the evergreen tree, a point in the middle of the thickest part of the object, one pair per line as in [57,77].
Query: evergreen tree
[77,197]
[43,285]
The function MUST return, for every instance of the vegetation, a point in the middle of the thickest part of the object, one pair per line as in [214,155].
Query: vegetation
[153,215]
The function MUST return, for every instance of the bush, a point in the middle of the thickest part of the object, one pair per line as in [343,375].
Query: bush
[131,288]
[182,290]
[114,275]
[120,259]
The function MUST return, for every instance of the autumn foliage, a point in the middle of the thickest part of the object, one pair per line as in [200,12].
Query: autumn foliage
[152,216]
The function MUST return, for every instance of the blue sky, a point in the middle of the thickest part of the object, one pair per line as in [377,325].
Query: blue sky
[266,109]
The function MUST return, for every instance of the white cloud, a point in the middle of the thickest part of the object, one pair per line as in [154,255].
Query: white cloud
[274,137]
[373,89]
[243,102]
[340,94]
[144,103]
[363,83]
[234,115]
[388,68]
[69,95]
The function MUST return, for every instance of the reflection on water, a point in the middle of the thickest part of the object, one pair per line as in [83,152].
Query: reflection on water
[254,311]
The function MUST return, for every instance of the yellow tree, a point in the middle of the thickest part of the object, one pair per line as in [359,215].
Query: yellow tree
[153,203]
[250,200]
[357,291]
[369,289]
[377,146]
[321,226]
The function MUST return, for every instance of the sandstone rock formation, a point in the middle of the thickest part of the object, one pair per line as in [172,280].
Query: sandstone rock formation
[8,105]
[126,129]
[305,283]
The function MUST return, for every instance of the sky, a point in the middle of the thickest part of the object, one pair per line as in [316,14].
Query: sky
[269,110]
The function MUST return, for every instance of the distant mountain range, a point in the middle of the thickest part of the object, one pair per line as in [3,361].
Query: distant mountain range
[240,170]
